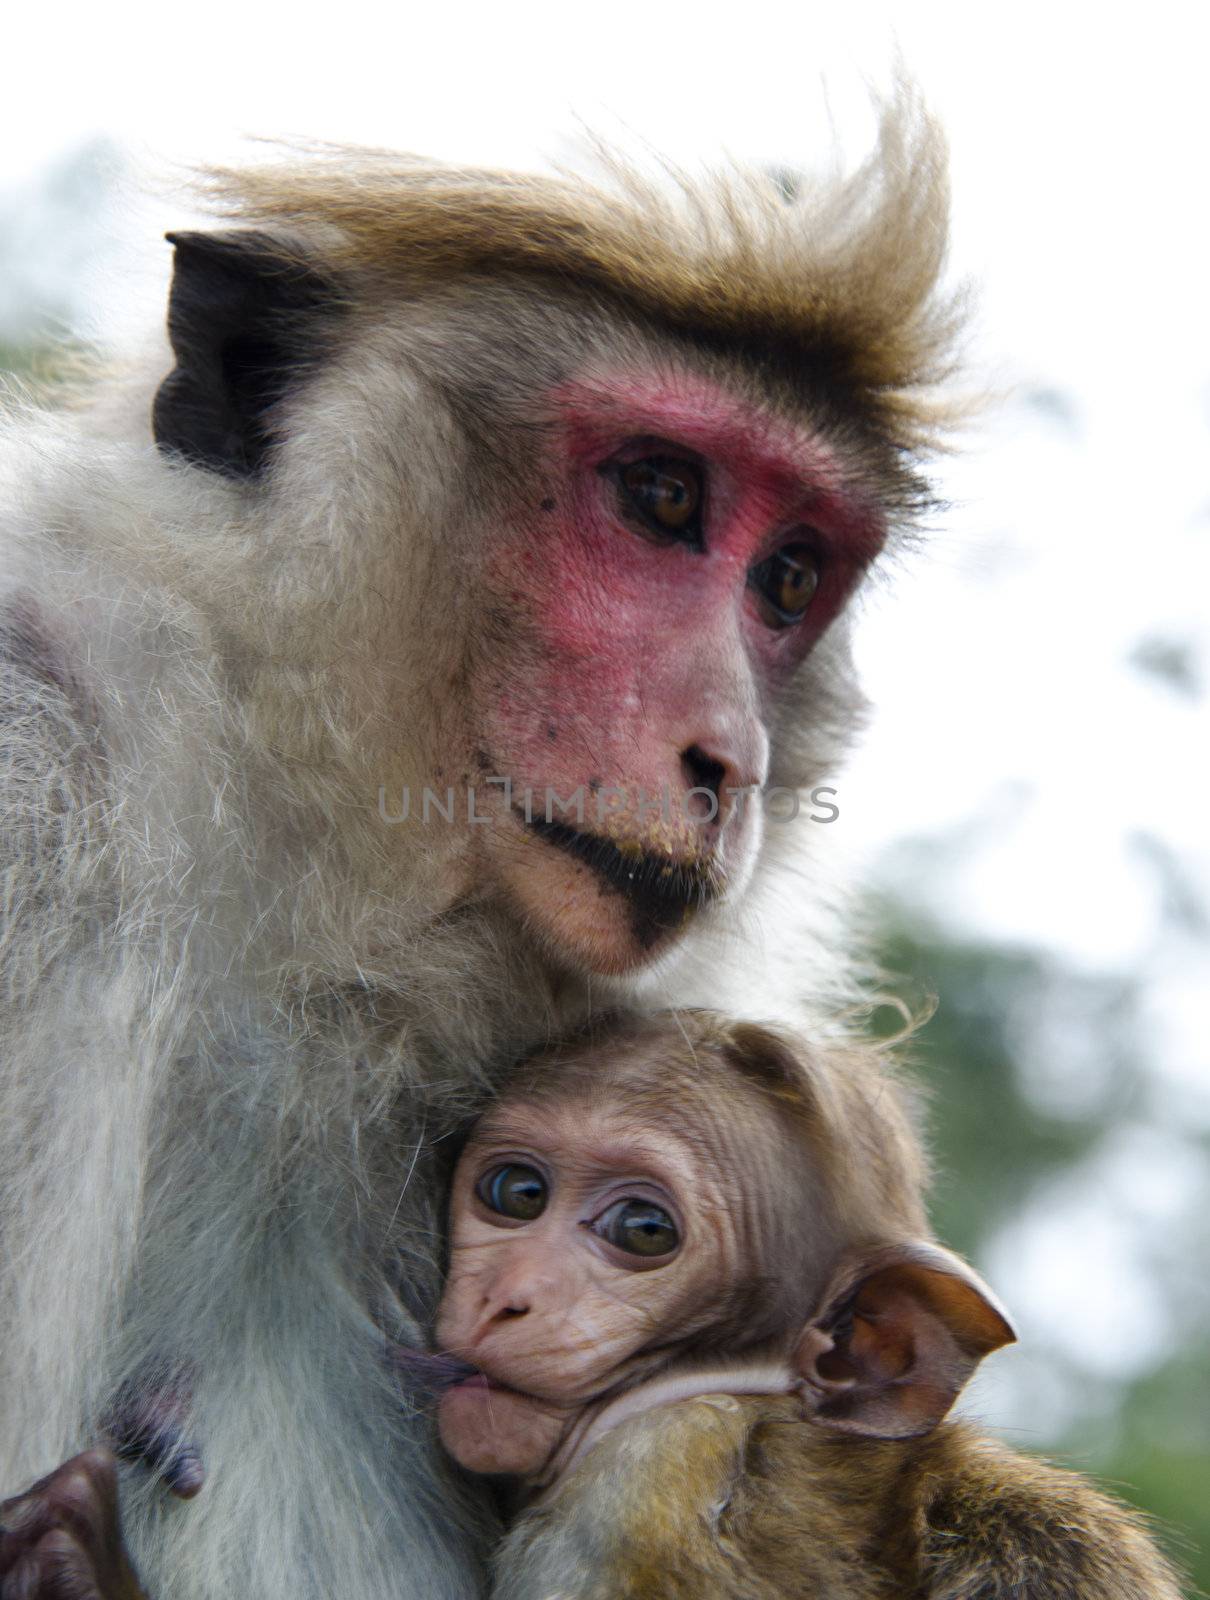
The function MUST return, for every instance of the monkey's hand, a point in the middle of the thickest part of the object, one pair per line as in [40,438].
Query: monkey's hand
[60,1540]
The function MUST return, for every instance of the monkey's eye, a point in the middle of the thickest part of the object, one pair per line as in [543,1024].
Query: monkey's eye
[786,582]
[514,1191]
[639,1227]
[664,495]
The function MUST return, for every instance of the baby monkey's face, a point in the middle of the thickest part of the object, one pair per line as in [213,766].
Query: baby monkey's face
[698,1203]
[581,1242]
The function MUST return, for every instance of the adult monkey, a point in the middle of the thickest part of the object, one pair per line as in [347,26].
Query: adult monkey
[456,476]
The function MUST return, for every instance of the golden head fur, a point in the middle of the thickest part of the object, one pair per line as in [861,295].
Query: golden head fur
[841,274]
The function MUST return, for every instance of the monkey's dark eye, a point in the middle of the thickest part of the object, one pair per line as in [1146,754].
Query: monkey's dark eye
[665,495]
[514,1191]
[786,582]
[639,1227]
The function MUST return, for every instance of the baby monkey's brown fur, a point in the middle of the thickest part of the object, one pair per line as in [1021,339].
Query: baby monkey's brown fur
[725,1498]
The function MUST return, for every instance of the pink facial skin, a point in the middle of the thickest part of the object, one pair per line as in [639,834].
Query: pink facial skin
[647,668]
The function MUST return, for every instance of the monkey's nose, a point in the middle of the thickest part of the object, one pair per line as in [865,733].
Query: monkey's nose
[525,1281]
[713,776]
[702,771]
[505,1303]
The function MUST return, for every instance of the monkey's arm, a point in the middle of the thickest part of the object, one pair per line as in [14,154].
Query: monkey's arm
[678,1503]
[723,1499]
[60,1540]
[1000,1526]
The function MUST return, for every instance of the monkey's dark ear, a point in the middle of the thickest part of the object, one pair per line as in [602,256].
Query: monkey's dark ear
[900,1333]
[247,315]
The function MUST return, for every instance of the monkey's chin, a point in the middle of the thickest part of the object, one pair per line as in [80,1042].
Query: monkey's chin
[588,920]
[498,1432]
[595,930]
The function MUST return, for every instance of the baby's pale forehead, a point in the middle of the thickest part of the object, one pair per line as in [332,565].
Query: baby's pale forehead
[581,1124]
[620,1124]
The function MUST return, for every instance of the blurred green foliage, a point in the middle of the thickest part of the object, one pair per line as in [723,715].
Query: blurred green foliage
[995,1146]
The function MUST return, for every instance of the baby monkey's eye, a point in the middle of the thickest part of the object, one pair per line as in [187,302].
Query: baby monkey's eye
[639,1227]
[514,1191]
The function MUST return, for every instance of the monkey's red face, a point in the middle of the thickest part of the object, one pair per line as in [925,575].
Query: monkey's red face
[679,561]
[580,1240]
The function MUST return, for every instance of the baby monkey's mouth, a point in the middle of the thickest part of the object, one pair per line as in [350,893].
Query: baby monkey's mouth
[661,891]
[440,1371]
[435,1370]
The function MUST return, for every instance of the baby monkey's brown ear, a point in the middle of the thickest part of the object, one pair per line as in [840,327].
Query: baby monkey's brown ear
[899,1332]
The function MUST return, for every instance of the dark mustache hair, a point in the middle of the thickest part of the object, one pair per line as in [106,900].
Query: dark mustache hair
[661,891]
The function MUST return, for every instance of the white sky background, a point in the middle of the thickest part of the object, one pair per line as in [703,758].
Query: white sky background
[1002,661]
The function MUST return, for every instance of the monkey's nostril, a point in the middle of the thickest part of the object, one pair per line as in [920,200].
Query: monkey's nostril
[702,771]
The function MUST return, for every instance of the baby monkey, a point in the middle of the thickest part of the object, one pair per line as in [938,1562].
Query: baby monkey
[712,1341]
[696,1326]
[669,1208]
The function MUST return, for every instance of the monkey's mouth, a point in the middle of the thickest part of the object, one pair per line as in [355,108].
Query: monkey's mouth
[489,1385]
[439,1371]
[470,1379]
[434,1369]
[662,893]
